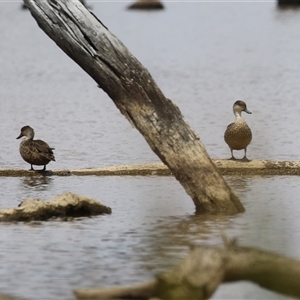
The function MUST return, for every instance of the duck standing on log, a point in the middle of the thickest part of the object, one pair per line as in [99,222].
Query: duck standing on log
[238,135]
[35,152]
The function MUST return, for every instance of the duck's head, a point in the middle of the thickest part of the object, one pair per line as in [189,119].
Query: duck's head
[240,106]
[26,131]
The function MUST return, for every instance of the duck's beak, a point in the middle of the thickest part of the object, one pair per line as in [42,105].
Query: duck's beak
[20,136]
[247,111]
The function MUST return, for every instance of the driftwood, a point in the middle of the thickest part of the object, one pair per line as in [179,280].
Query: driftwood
[64,206]
[225,167]
[146,4]
[205,268]
[92,46]
[82,1]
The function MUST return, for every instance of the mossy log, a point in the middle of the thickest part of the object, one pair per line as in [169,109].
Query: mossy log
[64,206]
[128,83]
[205,268]
[146,5]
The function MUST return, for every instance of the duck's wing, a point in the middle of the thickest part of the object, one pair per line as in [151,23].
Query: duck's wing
[230,125]
[44,149]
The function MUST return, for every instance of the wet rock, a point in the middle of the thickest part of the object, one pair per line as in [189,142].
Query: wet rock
[288,3]
[146,4]
[64,206]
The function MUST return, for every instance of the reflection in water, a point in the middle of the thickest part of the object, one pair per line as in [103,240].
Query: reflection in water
[40,183]
[150,231]
[172,238]
[238,182]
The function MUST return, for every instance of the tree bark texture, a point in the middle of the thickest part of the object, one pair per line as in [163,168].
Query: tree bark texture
[92,46]
[205,268]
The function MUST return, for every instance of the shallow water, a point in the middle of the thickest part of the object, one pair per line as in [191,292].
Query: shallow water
[144,234]
[204,56]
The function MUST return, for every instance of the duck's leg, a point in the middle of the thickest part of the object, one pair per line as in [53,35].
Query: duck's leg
[44,169]
[245,157]
[232,157]
[31,168]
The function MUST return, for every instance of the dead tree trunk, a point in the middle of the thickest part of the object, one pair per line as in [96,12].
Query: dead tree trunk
[92,46]
[205,268]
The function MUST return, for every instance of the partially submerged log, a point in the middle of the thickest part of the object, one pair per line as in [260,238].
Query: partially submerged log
[92,46]
[225,167]
[64,206]
[204,269]
[146,5]
[257,167]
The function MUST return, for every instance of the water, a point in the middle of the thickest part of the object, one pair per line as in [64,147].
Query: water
[144,235]
[204,56]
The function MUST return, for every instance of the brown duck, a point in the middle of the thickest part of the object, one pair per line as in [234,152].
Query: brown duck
[35,152]
[238,135]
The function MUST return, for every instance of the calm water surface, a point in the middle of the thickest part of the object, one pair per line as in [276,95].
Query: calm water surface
[204,56]
[149,231]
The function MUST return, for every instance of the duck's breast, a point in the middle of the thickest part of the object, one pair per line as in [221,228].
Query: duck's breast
[238,135]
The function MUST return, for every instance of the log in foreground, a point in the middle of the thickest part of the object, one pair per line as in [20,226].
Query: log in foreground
[65,206]
[204,269]
[92,46]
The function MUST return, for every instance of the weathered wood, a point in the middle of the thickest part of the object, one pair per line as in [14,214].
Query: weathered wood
[257,167]
[89,43]
[139,291]
[82,1]
[205,268]
[63,206]
[225,167]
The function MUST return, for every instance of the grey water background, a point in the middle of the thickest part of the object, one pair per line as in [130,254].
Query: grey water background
[204,56]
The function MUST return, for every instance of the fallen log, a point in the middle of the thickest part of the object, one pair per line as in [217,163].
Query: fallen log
[225,167]
[92,46]
[204,269]
[64,206]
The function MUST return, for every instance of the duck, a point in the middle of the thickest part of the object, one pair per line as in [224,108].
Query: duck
[238,135]
[34,152]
